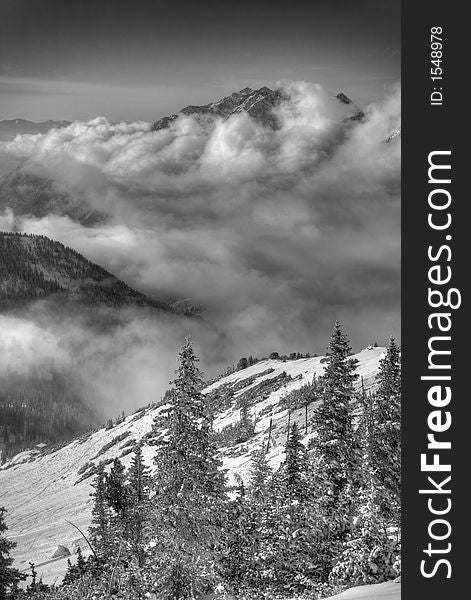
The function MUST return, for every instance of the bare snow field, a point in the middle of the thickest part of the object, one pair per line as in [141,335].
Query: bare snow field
[390,590]
[43,489]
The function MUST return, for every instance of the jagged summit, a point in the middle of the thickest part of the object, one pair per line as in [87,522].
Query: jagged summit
[258,104]
[344,99]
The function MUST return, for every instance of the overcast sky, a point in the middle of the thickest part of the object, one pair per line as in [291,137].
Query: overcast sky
[142,59]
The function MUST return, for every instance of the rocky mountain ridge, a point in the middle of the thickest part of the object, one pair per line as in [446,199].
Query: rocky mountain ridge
[258,104]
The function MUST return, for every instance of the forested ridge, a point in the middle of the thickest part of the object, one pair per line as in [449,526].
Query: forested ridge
[46,404]
[34,267]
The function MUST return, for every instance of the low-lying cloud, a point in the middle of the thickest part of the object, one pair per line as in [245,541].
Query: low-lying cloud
[276,232]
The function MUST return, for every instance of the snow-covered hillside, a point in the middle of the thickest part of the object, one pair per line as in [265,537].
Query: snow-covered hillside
[391,590]
[43,489]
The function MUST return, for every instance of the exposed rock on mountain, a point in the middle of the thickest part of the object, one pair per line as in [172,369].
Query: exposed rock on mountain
[28,194]
[60,552]
[394,135]
[357,115]
[258,104]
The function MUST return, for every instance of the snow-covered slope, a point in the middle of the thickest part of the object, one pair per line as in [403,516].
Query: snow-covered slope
[43,489]
[391,590]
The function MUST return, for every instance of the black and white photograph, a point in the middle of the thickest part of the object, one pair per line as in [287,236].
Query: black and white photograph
[200,300]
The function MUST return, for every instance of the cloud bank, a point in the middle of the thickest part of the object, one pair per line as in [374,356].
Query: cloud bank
[277,233]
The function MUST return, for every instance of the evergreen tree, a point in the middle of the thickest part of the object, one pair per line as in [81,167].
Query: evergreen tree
[246,425]
[288,553]
[9,576]
[247,526]
[239,540]
[189,491]
[260,475]
[81,563]
[115,490]
[286,549]
[386,416]
[138,486]
[335,447]
[370,554]
[99,530]
[36,589]
[34,575]
[242,364]
[295,467]
[70,574]
[77,570]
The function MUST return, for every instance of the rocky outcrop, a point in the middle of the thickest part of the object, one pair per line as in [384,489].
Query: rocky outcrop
[60,552]
[259,104]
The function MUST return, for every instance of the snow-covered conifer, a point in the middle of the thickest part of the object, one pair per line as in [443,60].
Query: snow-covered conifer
[335,446]
[189,491]
[9,576]
[99,529]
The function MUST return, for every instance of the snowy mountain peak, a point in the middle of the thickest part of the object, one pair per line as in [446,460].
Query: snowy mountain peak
[258,104]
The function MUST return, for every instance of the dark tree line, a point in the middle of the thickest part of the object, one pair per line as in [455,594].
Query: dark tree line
[245,362]
[41,408]
[33,266]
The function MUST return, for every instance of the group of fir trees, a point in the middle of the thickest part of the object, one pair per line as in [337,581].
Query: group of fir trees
[33,266]
[371,551]
[116,535]
[328,516]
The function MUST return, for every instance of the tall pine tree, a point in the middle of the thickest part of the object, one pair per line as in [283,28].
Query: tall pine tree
[386,417]
[246,425]
[334,445]
[99,529]
[138,487]
[260,474]
[295,468]
[115,490]
[239,541]
[189,491]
